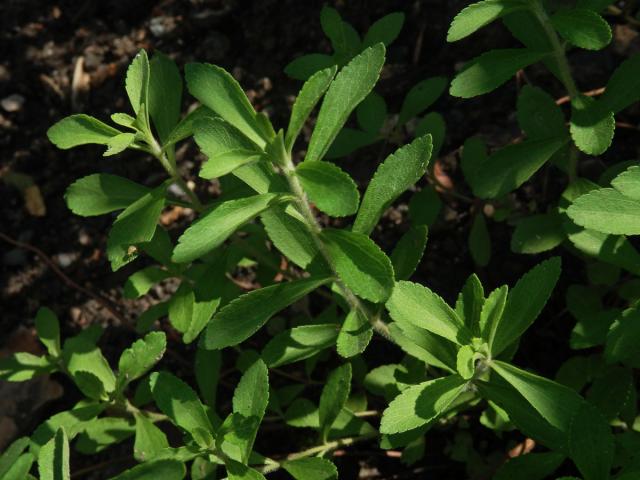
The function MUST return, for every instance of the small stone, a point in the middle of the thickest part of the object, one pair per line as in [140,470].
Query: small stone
[13,102]
[66,259]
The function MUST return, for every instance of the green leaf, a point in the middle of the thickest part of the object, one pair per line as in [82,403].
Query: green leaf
[525,302]
[491,69]
[470,303]
[465,362]
[81,357]
[73,421]
[312,468]
[102,193]
[355,334]
[352,84]
[140,357]
[226,147]
[238,471]
[408,252]
[53,459]
[150,440]
[622,339]
[615,250]
[592,125]
[290,236]
[360,264]
[136,224]
[511,166]
[102,433]
[334,396]
[207,370]
[305,66]
[349,140]
[306,100]
[591,443]
[420,405]
[628,183]
[477,15]
[582,27]
[218,224]
[491,314]
[157,469]
[421,96]
[607,210]
[48,329]
[218,90]
[433,124]
[245,315]
[419,343]
[372,113]
[344,39]
[331,189]
[417,305]
[392,178]
[537,233]
[141,282]
[119,144]
[185,127]
[165,94]
[479,241]
[137,81]
[10,455]
[19,470]
[179,402]
[384,30]
[80,129]
[531,466]
[299,343]
[425,206]
[538,114]
[250,400]
[623,87]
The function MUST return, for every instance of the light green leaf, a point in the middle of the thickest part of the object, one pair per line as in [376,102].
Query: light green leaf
[582,27]
[421,96]
[352,84]
[165,95]
[81,356]
[607,210]
[392,178]
[538,233]
[137,81]
[531,466]
[245,315]
[628,183]
[306,100]
[590,443]
[124,120]
[331,189]
[22,366]
[491,313]
[491,69]
[469,304]
[355,334]
[10,455]
[298,344]
[421,404]
[615,250]
[538,114]
[53,459]
[136,224]
[140,357]
[119,144]
[305,66]
[480,241]
[416,304]
[150,440]
[102,433]
[250,400]
[157,469]
[477,15]
[360,264]
[48,330]
[141,282]
[80,129]
[525,302]
[102,193]
[384,30]
[185,128]
[372,113]
[179,402]
[19,469]
[215,226]
[73,421]
[511,166]
[465,362]
[312,468]
[226,147]
[592,125]
[218,90]
[419,343]
[334,396]
[623,87]
[290,236]
[408,252]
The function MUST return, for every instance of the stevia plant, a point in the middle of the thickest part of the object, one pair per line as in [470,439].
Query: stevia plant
[455,359]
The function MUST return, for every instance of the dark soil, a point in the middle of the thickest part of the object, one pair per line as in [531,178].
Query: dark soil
[41,43]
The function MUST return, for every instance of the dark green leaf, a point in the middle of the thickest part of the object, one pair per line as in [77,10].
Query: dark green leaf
[582,27]
[479,14]
[531,466]
[313,468]
[538,114]
[355,334]
[150,440]
[331,189]
[537,233]
[384,30]
[334,396]
[623,88]
[53,459]
[307,65]
[48,329]
[421,96]
[607,210]
[155,470]
[479,241]
[165,95]
[591,443]
[592,125]
[408,251]
[298,344]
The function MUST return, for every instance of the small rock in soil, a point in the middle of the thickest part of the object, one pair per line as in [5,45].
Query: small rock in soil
[12,103]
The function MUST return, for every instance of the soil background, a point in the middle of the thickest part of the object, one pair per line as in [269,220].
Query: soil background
[69,56]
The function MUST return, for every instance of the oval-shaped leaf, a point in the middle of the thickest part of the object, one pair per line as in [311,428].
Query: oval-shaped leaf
[420,97]
[607,210]
[355,334]
[140,357]
[408,251]
[331,189]
[334,396]
[477,15]
[102,193]
[384,30]
[80,129]
[582,27]
[298,344]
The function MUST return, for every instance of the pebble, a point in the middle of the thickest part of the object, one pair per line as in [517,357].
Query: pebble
[12,103]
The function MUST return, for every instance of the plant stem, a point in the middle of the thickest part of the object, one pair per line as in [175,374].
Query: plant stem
[343,442]
[315,230]
[564,70]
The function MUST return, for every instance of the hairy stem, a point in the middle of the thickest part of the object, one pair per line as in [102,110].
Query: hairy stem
[564,70]
[315,230]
